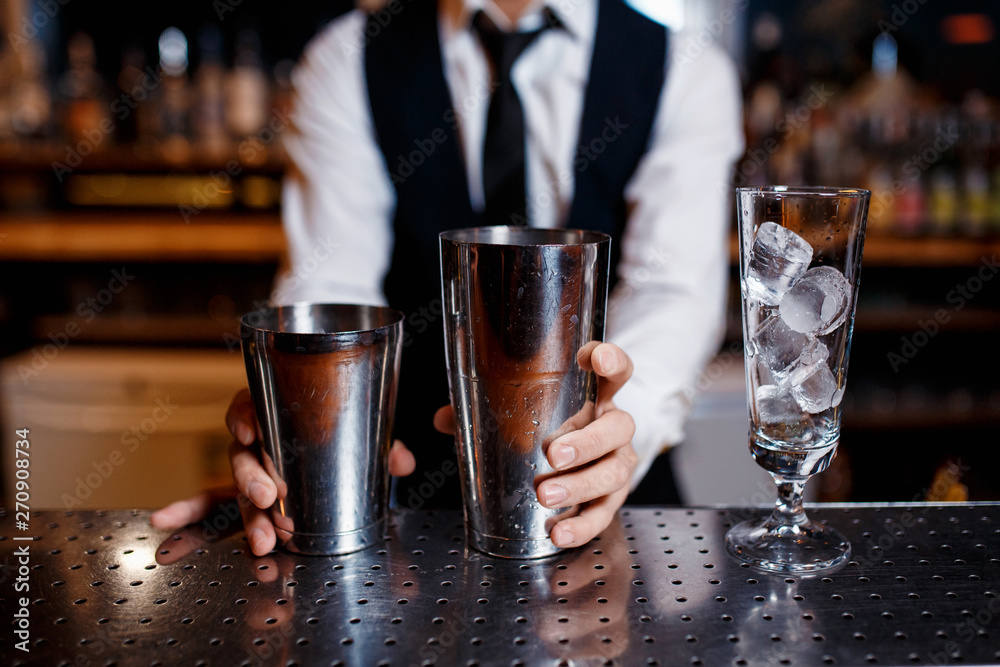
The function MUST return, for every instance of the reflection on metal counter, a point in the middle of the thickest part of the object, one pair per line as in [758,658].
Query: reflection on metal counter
[656,588]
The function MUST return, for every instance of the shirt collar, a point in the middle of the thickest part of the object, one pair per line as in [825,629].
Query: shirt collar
[577,16]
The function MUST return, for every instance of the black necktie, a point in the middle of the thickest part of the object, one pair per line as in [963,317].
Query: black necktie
[504,149]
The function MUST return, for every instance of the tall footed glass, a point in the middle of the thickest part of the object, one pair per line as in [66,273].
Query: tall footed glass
[800,264]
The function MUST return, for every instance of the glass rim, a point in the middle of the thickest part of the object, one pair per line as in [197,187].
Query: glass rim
[523,236]
[798,190]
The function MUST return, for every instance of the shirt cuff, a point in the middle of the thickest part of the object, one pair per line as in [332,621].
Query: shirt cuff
[659,422]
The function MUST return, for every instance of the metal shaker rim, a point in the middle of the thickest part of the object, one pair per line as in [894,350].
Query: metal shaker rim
[321,319]
[523,236]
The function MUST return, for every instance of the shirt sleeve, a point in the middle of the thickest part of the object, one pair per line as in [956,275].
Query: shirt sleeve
[668,309]
[337,200]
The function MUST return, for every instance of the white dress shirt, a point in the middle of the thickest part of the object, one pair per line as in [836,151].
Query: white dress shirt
[668,309]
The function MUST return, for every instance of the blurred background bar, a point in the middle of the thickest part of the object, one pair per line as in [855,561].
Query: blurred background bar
[140,168]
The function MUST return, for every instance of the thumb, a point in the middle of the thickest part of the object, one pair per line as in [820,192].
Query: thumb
[444,420]
[401,460]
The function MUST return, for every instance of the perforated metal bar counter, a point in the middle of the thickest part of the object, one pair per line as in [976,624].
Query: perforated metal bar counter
[657,588]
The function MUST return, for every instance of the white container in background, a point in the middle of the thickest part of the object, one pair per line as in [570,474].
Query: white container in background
[117,427]
[713,465]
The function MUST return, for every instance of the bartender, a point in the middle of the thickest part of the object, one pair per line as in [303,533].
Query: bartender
[426,116]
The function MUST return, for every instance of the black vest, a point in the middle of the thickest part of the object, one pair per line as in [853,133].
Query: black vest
[416,130]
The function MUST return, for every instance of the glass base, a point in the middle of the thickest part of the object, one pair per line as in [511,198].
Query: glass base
[800,548]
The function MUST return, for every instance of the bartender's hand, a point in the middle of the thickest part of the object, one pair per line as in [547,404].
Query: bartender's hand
[595,463]
[252,481]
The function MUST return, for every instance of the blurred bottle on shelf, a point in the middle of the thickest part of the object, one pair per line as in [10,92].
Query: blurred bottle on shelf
[247,98]
[942,204]
[26,102]
[209,113]
[136,109]
[933,168]
[175,102]
[282,103]
[85,118]
[993,225]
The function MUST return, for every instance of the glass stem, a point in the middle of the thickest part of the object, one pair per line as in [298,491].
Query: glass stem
[788,508]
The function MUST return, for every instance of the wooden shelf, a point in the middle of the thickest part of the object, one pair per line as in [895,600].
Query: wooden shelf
[142,236]
[225,236]
[916,252]
[148,328]
[39,157]
[894,318]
